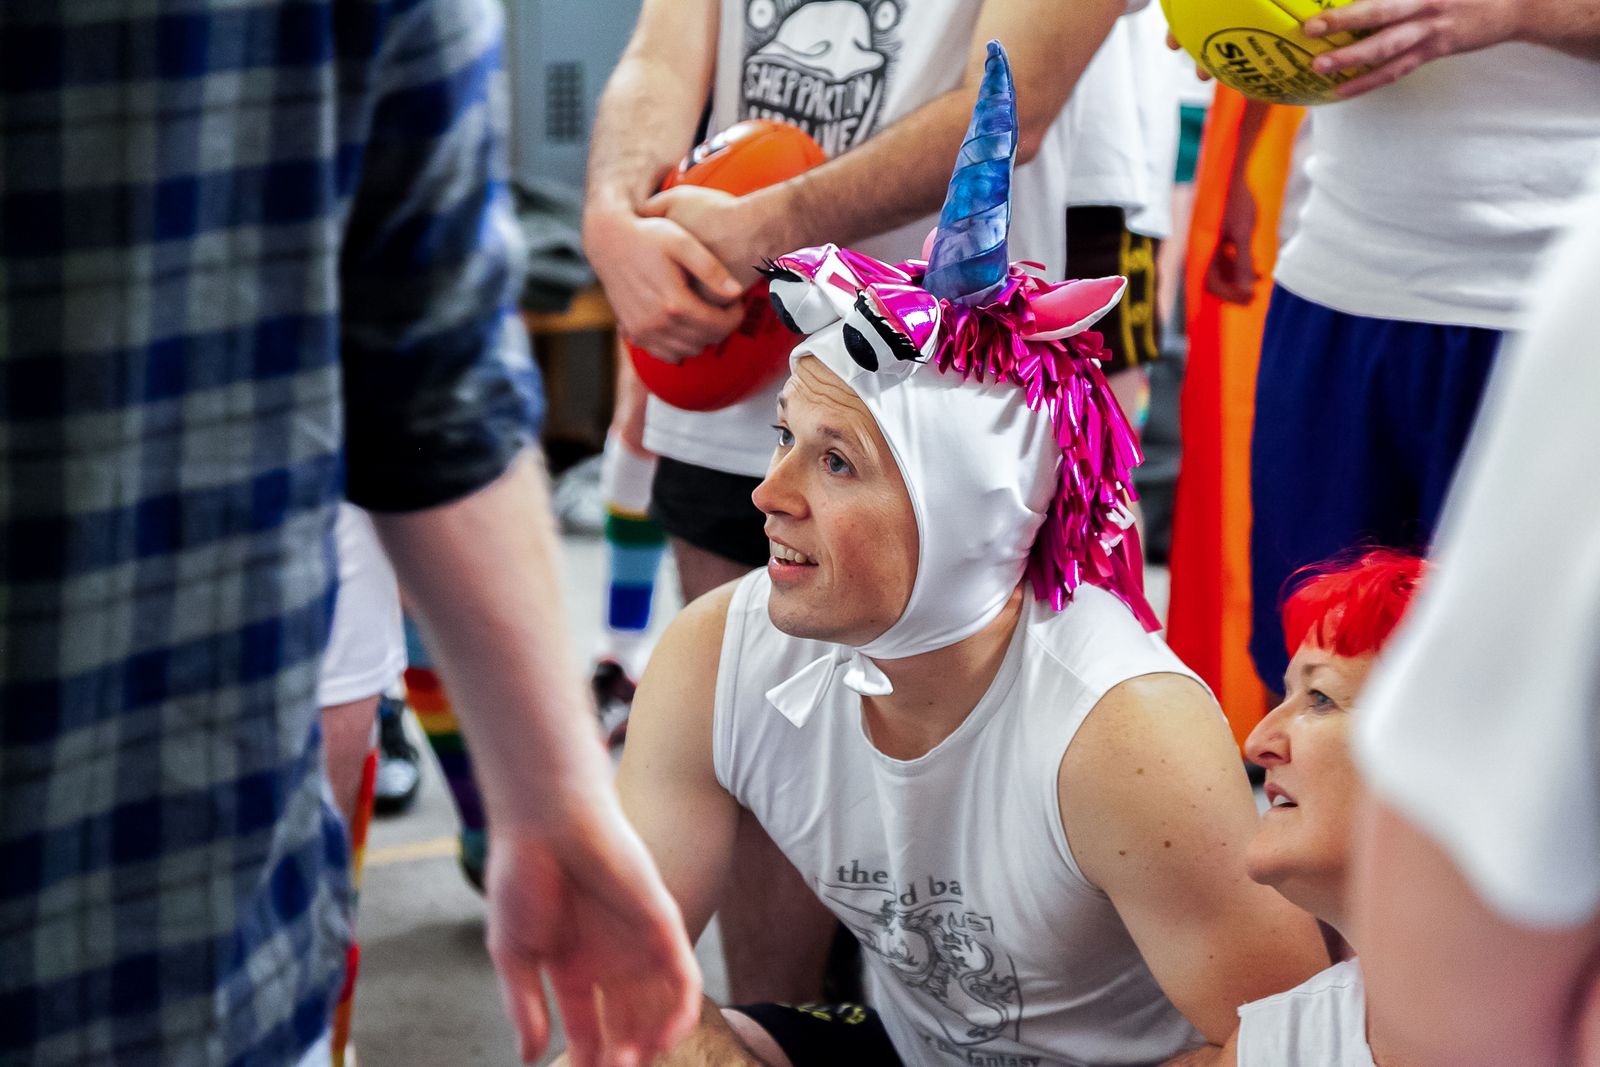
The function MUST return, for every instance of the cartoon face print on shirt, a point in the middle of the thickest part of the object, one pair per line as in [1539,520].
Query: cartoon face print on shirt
[821,65]
[933,940]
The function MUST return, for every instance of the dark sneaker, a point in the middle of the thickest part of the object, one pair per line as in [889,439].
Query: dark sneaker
[613,698]
[474,856]
[398,773]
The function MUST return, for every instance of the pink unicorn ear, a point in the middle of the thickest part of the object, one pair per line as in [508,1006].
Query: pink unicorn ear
[1072,307]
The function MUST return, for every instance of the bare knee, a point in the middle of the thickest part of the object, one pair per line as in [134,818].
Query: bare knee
[346,740]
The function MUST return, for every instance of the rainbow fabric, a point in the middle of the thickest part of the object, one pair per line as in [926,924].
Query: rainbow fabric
[426,696]
[634,544]
[344,1010]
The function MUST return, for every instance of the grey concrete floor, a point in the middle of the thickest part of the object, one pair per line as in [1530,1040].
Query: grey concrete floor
[426,995]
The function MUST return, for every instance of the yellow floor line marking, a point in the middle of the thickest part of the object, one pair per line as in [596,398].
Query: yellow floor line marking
[433,848]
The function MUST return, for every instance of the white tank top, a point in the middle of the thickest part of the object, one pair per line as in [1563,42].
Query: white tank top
[984,942]
[1321,1022]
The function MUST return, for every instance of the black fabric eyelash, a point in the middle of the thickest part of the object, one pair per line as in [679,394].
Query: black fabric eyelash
[899,344]
[774,273]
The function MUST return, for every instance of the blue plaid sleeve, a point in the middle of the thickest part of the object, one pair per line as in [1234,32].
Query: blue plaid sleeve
[439,387]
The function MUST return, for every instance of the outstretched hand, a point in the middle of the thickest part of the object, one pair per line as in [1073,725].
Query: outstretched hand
[1402,35]
[585,907]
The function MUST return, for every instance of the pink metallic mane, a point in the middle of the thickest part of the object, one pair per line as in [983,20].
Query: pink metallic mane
[1035,335]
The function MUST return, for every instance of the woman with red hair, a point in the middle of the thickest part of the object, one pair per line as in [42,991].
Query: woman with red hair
[1335,622]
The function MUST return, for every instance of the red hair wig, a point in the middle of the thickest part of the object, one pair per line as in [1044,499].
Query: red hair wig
[1350,607]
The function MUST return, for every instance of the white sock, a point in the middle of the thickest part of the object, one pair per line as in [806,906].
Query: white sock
[625,477]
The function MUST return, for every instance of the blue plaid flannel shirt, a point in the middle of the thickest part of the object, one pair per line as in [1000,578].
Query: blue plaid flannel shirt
[233,235]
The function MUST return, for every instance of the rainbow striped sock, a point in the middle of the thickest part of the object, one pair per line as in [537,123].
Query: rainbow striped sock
[634,547]
[425,693]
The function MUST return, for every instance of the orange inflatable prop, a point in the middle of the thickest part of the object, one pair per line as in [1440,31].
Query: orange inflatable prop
[745,157]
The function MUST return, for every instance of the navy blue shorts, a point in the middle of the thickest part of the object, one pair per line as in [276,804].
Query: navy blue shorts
[1359,424]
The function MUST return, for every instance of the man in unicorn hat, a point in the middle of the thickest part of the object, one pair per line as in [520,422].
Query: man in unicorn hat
[941,699]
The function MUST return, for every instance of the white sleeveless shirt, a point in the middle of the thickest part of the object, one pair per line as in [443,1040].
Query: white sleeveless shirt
[984,941]
[1322,1022]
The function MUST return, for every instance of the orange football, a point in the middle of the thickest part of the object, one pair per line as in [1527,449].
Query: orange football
[747,156]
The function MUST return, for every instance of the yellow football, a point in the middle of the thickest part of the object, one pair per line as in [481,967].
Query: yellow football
[1257,47]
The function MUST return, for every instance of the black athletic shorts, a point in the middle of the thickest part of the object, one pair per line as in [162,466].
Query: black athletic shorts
[826,1035]
[1099,245]
[710,510]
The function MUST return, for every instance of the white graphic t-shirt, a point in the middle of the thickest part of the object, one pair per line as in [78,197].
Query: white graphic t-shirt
[823,66]
[983,941]
[843,70]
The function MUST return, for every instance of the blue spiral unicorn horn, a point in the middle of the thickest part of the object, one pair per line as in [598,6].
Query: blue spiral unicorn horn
[968,261]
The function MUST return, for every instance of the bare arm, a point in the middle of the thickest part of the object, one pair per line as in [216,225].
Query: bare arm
[667,782]
[670,792]
[1405,34]
[669,292]
[480,575]
[1231,275]
[572,892]
[647,115]
[1451,982]
[900,174]
[1158,812]
[1209,1056]
[1570,26]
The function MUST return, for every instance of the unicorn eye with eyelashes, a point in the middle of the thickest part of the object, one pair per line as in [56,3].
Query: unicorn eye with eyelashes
[801,304]
[871,340]
[891,324]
